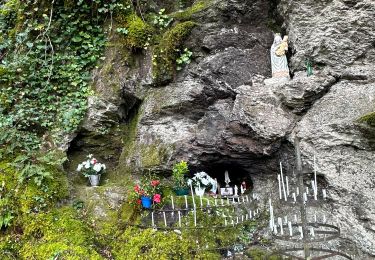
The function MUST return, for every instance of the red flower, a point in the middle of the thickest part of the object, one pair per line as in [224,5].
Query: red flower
[157,198]
[136,188]
[139,201]
[155,183]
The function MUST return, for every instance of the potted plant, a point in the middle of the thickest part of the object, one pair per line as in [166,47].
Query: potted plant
[92,169]
[148,191]
[179,172]
[201,181]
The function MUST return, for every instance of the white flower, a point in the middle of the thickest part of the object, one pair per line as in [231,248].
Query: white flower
[89,156]
[79,168]
[97,167]
[87,164]
[205,182]
[104,167]
[189,182]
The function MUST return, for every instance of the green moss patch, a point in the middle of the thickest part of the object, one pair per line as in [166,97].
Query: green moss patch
[189,12]
[368,119]
[165,54]
[58,233]
[139,32]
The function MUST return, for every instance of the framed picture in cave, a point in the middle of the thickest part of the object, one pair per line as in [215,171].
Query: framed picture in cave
[228,191]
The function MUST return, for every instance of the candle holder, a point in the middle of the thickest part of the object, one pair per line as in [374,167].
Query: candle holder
[299,230]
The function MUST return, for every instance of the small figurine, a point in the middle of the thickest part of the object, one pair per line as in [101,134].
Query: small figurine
[226,179]
[235,190]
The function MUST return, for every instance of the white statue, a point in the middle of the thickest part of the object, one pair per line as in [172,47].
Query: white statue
[214,186]
[235,190]
[226,179]
[280,70]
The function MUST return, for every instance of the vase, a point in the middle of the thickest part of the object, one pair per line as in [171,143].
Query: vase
[199,191]
[181,191]
[94,180]
[146,202]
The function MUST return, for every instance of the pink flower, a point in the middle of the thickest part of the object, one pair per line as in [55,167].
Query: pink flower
[157,198]
[155,183]
[139,202]
[136,188]
[94,161]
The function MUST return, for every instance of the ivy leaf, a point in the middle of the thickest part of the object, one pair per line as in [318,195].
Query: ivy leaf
[76,39]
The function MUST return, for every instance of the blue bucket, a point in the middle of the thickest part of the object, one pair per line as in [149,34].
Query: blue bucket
[146,202]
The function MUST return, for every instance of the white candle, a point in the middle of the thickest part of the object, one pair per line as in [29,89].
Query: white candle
[192,194]
[301,231]
[165,219]
[279,221]
[281,230]
[324,193]
[324,218]
[282,181]
[195,217]
[222,202]
[152,219]
[233,201]
[294,197]
[250,214]
[315,181]
[312,232]
[290,229]
[295,218]
[236,220]
[307,190]
[297,191]
[275,229]
[279,179]
[172,202]
[246,217]
[179,218]
[304,197]
[242,218]
[286,220]
[287,185]
[186,202]
[315,219]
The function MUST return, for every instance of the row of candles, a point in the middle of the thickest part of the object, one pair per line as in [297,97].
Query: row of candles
[217,202]
[245,217]
[284,190]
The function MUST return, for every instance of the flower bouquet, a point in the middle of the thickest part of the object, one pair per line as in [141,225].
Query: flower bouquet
[92,169]
[148,191]
[201,181]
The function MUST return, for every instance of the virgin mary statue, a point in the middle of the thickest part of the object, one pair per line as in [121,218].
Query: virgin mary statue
[280,70]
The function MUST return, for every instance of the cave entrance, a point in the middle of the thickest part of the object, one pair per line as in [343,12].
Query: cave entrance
[237,175]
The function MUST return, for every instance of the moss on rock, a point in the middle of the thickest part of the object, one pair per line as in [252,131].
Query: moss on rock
[139,32]
[368,119]
[59,233]
[165,54]
[189,12]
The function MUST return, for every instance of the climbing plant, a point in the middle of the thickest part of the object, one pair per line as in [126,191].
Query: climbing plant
[47,50]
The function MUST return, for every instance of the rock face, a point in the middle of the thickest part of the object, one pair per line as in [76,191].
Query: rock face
[218,114]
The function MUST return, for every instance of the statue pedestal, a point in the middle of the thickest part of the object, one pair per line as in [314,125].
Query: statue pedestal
[273,81]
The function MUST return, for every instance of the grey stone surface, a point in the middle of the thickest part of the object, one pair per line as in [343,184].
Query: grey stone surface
[218,113]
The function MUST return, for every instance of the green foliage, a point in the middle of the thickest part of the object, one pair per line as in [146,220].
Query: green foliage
[139,32]
[184,58]
[162,20]
[368,119]
[188,13]
[48,51]
[123,31]
[151,244]
[165,54]
[179,172]
[59,233]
